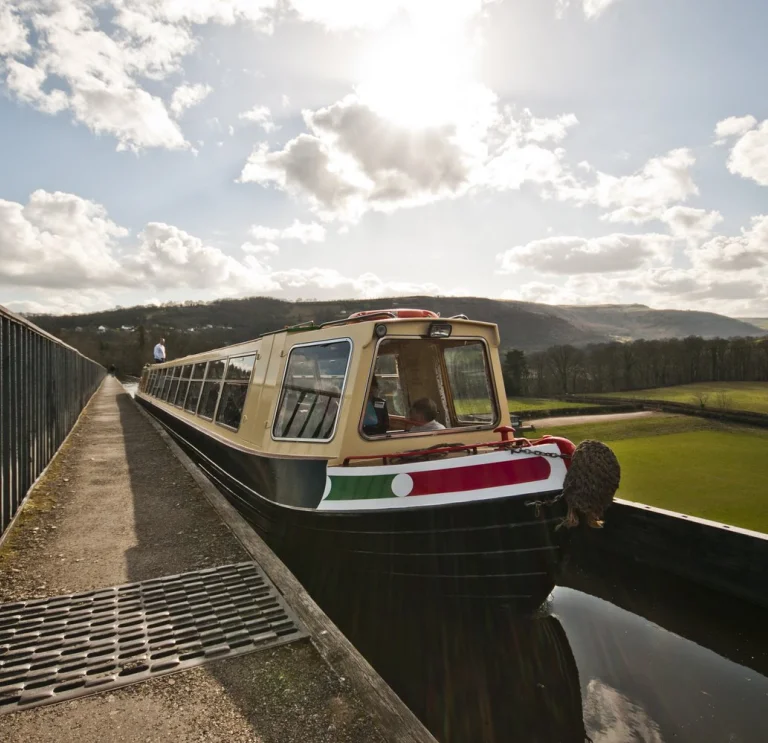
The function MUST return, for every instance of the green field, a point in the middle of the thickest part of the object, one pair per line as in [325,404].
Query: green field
[738,395]
[691,465]
[516,405]
[526,404]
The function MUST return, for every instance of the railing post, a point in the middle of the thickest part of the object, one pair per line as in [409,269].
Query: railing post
[5,424]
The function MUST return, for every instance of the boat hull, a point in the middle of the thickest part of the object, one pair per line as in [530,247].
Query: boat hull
[500,550]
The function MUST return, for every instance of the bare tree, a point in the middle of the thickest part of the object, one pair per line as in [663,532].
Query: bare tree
[723,400]
[700,398]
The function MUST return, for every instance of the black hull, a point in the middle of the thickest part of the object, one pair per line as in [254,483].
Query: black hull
[497,550]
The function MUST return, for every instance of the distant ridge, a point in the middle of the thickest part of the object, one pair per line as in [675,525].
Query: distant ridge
[525,325]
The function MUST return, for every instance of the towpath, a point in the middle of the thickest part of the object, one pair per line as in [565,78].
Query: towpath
[575,420]
[117,506]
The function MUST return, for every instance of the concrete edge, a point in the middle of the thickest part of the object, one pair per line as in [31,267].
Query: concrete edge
[694,519]
[44,471]
[399,723]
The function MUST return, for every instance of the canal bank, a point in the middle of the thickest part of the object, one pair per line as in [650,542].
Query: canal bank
[117,507]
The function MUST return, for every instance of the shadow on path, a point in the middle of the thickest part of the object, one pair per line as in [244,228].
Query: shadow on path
[286,694]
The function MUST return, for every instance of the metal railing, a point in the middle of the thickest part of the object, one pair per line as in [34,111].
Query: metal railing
[44,385]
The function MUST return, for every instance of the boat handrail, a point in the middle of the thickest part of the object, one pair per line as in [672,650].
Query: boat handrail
[448,449]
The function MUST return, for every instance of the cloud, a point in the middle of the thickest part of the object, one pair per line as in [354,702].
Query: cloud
[579,255]
[58,240]
[334,284]
[64,303]
[591,8]
[260,115]
[704,289]
[690,224]
[93,59]
[595,8]
[578,290]
[749,154]
[746,252]
[353,159]
[302,231]
[542,130]
[672,288]
[168,257]
[62,242]
[734,126]
[186,96]
[630,214]
[349,14]
[643,195]
[13,35]
[684,222]
[75,66]
[261,248]
[27,83]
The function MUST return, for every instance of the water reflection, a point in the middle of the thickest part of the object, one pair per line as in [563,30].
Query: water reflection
[580,667]
[131,388]
[612,718]
[474,676]
[642,682]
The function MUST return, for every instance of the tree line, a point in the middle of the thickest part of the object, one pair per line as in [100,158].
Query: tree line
[641,364]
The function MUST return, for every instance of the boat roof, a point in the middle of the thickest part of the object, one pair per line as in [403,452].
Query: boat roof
[388,317]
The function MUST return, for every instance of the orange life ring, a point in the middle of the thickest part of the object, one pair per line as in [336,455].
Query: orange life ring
[397,313]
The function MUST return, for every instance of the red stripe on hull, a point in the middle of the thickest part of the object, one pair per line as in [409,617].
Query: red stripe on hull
[479,477]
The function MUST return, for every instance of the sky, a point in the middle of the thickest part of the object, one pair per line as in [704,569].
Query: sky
[555,151]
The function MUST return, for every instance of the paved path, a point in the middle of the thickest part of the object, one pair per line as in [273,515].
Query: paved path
[117,506]
[574,420]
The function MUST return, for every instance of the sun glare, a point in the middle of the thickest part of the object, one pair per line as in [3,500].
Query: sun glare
[419,77]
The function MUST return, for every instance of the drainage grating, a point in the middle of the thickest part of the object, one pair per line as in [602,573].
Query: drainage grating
[68,646]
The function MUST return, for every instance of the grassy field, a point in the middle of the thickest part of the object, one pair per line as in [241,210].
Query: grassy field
[517,405]
[702,468]
[738,395]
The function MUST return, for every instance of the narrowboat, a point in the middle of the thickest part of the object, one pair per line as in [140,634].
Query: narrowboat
[376,449]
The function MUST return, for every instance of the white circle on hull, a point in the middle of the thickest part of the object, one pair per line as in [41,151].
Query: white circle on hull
[402,485]
[327,488]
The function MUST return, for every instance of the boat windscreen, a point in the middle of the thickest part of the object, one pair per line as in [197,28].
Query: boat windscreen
[422,385]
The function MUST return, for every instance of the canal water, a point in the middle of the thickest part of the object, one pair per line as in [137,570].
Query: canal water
[617,654]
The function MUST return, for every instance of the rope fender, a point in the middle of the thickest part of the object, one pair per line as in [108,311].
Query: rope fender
[591,483]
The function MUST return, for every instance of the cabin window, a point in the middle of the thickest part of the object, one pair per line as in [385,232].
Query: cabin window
[183,385]
[174,388]
[234,390]
[312,389]
[422,386]
[195,387]
[160,381]
[156,375]
[166,388]
[211,387]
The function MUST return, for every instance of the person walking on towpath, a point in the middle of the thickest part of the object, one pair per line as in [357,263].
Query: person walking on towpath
[159,352]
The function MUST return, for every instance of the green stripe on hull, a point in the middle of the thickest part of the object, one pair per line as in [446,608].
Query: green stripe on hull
[367,487]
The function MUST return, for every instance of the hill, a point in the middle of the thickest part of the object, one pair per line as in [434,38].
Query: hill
[635,321]
[123,336]
[761,322]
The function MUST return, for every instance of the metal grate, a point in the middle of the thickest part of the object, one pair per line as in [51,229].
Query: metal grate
[58,648]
